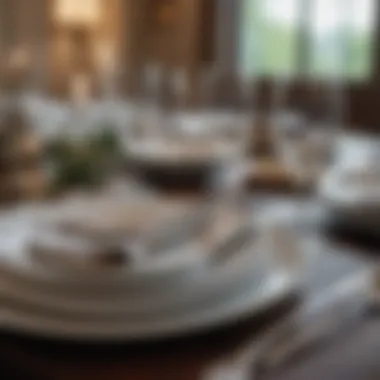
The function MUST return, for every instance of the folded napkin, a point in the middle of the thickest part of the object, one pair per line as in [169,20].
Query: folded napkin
[113,233]
[74,253]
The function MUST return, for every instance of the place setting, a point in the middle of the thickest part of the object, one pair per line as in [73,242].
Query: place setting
[93,260]
[188,190]
[103,263]
[111,280]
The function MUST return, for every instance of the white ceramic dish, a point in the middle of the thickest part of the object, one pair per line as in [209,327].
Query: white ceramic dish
[169,269]
[336,190]
[214,282]
[17,230]
[352,205]
[174,270]
[247,303]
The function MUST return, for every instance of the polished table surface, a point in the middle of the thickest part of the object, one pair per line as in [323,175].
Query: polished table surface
[352,355]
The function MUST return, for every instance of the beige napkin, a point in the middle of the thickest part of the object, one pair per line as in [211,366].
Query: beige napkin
[112,235]
[58,251]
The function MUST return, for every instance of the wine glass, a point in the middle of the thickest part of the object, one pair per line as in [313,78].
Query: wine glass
[306,132]
[180,88]
[233,123]
[149,111]
[176,100]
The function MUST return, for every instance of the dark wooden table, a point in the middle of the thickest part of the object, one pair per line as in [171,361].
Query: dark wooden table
[351,356]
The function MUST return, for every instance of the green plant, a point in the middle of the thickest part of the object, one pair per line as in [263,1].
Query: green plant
[84,163]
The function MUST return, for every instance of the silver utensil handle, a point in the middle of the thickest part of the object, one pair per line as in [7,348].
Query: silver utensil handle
[311,326]
[308,337]
[320,317]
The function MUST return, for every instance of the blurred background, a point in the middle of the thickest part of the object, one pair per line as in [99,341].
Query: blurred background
[295,39]
[171,169]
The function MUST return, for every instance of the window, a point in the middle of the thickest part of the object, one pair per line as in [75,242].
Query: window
[338,36]
[270,37]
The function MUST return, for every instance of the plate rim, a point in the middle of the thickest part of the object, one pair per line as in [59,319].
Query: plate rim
[244,307]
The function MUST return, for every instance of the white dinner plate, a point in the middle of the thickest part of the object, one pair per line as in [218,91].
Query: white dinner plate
[216,282]
[17,229]
[353,205]
[246,304]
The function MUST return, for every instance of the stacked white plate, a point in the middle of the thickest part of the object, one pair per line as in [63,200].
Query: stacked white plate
[179,292]
[352,197]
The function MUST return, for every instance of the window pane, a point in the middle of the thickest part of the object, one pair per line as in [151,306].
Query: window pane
[248,59]
[326,45]
[279,30]
[339,35]
[269,37]
[360,38]
[341,32]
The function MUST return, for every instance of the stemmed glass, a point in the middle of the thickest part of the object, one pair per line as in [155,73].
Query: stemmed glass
[179,88]
[236,112]
[149,113]
[108,75]
[107,71]
[306,127]
[307,137]
[305,134]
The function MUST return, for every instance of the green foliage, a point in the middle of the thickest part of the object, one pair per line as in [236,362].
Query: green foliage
[84,163]
[106,140]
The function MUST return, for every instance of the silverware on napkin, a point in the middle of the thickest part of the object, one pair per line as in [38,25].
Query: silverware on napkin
[304,328]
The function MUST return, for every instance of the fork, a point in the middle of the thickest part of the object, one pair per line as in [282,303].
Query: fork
[304,327]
